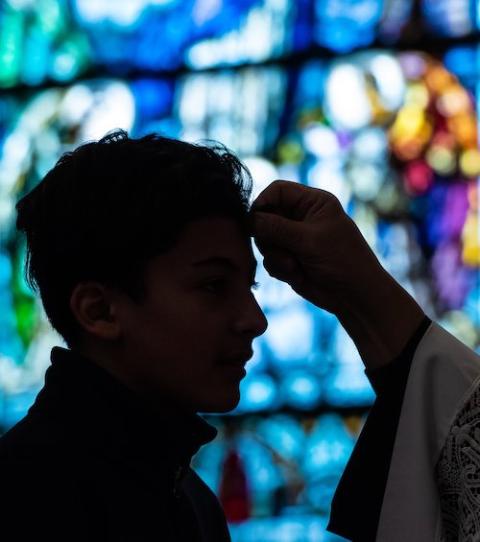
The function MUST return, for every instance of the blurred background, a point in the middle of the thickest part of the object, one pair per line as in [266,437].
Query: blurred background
[375,101]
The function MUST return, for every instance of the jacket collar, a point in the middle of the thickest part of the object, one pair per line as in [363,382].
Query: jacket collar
[105,415]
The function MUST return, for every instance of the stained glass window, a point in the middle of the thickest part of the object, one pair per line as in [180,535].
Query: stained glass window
[374,101]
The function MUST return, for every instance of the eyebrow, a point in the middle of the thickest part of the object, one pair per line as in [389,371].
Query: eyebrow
[224,262]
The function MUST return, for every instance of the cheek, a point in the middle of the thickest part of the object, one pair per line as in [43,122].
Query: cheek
[187,328]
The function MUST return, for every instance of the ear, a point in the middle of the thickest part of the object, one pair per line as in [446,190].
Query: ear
[93,307]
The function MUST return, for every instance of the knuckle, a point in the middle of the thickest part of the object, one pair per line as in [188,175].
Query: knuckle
[334,203]
[327,196]
[334,200]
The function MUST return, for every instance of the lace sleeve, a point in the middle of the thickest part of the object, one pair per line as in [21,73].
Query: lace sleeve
[458,475]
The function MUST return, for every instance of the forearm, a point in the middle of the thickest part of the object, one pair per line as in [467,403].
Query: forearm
[380,320]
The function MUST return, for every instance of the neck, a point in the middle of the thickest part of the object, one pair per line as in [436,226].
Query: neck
[119,367]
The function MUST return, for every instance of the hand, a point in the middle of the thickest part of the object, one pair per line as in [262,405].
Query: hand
[308,241]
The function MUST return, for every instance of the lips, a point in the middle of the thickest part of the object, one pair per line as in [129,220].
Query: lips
[238,359]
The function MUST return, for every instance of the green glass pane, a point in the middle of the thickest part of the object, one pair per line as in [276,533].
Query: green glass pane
[11,32]
[19,284]
[26,316]
[24,303]
[51,16]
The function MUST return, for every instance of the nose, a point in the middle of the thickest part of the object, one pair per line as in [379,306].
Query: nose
[251,320]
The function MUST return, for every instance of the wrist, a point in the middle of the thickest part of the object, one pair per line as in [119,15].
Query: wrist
[380,320]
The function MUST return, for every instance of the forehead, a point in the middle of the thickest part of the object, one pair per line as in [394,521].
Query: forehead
[209,241]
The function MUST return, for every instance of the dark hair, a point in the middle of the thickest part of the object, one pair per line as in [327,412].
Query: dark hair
[108,207]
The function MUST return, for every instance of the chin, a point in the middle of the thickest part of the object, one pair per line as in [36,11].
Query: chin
[221,405]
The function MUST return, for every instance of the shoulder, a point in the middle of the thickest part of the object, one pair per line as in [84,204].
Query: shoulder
[34,456]
[29,437]
[36,481]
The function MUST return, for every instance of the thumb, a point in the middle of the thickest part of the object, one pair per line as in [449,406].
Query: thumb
[275,230]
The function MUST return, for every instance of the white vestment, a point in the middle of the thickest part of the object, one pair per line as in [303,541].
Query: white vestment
[433,486]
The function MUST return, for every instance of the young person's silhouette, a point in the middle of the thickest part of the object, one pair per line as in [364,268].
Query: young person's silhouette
[140,251]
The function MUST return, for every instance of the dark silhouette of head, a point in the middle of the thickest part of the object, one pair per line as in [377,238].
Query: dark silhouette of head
[108,207]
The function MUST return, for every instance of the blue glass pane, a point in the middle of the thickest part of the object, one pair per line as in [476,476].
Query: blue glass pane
[153,98]
[343,25]
[450,17]
[258,392]
[396,14]
[463,61]
[148,36]
[301,390]
[327,451]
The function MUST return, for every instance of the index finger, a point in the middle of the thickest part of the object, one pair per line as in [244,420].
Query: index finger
[287,198]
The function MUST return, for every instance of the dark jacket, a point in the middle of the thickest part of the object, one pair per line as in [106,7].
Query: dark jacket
[92,462]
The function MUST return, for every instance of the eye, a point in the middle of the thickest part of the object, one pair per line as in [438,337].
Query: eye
[255,285]
[215,286]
